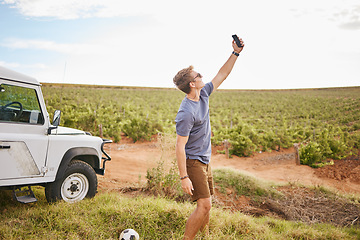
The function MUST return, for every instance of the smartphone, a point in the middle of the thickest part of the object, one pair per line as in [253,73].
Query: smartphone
[236,39]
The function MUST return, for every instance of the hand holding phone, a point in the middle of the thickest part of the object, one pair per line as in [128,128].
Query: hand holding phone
[237,40]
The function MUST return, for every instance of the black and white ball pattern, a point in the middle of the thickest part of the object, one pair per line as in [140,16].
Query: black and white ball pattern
[129,234]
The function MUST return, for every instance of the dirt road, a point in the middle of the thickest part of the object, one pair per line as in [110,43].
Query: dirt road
[130,162]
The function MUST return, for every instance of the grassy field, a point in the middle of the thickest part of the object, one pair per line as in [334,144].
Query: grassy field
[106,215]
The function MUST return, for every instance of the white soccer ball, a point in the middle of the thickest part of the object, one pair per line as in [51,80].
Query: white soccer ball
[129,234]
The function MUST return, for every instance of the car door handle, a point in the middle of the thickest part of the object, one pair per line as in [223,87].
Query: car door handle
[4,147]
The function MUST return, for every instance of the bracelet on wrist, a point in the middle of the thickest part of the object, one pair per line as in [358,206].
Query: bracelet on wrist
[235,53]
[182,178]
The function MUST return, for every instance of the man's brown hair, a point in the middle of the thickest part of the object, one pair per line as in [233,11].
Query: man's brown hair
[183,78]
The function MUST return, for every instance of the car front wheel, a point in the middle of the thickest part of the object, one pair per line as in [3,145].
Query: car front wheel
[79,181]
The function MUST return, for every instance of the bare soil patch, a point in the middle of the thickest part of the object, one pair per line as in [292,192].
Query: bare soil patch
[130,162]
[297,204]
[126,172]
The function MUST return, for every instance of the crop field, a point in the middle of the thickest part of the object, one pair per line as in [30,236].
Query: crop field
[324,122]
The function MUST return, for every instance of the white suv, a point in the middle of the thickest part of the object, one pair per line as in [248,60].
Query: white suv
[35,152]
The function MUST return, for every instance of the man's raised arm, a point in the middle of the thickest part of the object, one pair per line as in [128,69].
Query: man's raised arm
[228,66]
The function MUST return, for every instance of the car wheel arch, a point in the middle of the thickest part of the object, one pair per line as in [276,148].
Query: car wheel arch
[88,155]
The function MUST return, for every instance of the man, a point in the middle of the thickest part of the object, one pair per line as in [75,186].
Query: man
[193,143]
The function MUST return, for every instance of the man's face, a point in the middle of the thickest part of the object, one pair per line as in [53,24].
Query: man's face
[197,80]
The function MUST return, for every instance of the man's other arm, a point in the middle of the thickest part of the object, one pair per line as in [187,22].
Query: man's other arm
[186,184]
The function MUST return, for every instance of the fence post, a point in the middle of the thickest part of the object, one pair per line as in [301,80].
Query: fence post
[226,143]
[101,130]
[297,156]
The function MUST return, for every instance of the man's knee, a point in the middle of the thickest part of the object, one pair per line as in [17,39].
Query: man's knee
[204,204]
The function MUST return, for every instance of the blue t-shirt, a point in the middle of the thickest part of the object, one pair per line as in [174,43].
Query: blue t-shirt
[193,120]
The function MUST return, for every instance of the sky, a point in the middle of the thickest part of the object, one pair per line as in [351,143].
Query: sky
[289,44]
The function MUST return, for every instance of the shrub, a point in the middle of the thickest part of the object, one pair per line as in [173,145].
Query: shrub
[137,129]
[311,154]
[165,183]
[241,145]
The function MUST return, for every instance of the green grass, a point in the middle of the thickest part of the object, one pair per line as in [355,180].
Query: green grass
[244,184]
[106,215]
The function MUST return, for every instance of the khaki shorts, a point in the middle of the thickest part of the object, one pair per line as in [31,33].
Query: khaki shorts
[201,178]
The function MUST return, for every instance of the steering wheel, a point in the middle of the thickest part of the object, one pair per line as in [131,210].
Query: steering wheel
[17,116]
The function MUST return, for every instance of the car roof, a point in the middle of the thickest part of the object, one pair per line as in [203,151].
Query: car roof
[15,76]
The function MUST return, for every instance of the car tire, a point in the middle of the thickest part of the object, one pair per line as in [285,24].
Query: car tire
[79,181]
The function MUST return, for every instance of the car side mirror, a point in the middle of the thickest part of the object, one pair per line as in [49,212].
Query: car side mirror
[56,119]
